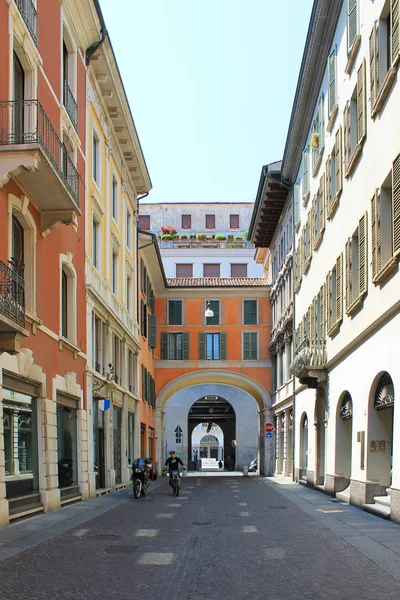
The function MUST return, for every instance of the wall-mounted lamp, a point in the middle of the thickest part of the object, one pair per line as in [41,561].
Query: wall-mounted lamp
[209,312]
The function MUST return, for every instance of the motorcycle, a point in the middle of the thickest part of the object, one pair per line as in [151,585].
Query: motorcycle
[253,466]
[141,468]
[175,483]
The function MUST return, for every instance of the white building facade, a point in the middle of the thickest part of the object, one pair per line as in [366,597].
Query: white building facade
[342,156]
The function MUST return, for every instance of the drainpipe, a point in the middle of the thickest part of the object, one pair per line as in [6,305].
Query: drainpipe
[103,31]
[293,330]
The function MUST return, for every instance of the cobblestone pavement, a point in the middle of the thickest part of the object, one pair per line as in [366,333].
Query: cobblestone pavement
[223,538]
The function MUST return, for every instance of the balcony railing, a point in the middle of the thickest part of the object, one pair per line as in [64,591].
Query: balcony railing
[29,15]
[310,353]
[26,122]
[204,244]
[70,105]
[12,295]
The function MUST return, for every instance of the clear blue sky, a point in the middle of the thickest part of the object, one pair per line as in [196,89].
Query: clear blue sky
[211,86]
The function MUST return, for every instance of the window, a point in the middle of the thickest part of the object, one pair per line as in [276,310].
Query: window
[129,293]
[250,310]
[116,357]
[384,47]
[212,346]
[318,136]
[296,201]
[132,365]
[144,221]
[333,184]
[305,184]
[69,65]
[114,193]
[114,274]
[131,438]
[210,221]
[214,305]
[211,270]
[68,304]
[239,270]
[385,224]
[64,304]
[97,343]
[334,296]
[184,270]
[332,88]
[298,265]
[175,312]
[96,158]
[307,245]
[318,214]
[143,277]
[186,221]
[356,265]
[234,221]
[353,24]
[354,126]
[95,243]
[129,230]
[174,346]
[250,345]
[143,318]
[152,325]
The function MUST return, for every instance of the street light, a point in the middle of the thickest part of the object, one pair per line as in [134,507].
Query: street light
[209,312]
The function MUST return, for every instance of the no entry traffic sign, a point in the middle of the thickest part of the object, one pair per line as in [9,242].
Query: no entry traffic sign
[269,427]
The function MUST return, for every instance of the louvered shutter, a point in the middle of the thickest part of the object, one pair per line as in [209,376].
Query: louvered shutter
[143,383]
[328,184]
[246,345]
[64,304]
[148,387]
[374,234]
[313,212]
[349,297]
[321,205]
[185,346]
[396,204]
[164,345]
[254,345]
[352,23]
[346,129]
[339,288]
[306,173]
[338,161]
[322,313]
[152,331]
[331,82]
[17,258]
[372,65]
[361,103]
[321,123]
[328,300]
[142,276]
[202,346]
[222,346]
[395,22]
[312,320]
[362,255]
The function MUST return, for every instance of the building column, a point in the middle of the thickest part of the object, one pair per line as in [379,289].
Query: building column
[266,445]
[287,356]
[286,458]
[160,446]
[278,369]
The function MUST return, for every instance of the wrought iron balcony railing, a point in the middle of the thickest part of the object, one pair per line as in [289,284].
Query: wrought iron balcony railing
[29,15]
[12,295]
[26,122]
[70,105]
[310,353]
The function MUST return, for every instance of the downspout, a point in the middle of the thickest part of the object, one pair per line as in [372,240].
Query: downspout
[293,331]
[137,253]
[103,31]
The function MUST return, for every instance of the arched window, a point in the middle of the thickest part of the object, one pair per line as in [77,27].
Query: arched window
[68,303]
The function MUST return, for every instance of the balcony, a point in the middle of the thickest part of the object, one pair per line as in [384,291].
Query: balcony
[29,15]
[12,309]
[70,105]
[32,153]
[309,362]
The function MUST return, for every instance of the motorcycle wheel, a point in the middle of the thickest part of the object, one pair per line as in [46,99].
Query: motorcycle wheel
[177,488]
[136,488]
[144,489]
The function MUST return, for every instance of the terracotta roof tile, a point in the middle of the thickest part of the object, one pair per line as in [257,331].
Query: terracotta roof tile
[216,282]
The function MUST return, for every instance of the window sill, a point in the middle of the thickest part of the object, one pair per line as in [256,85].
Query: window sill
[334,205]
[355,305]
[332,118]
[319,239]
[334,329]
[307,265]
[384,91]
[354,158]
[297,226]
[387,269]
[298,286]
[353,55]
[64,342]
[306,199]
[318,162]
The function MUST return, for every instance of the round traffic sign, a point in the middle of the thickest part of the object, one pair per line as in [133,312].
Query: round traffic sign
[269,427]
[268,435]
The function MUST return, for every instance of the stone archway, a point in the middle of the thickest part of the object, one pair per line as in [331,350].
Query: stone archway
[344,442]
[303,466]
[216,410]
[320,419]
[380,430]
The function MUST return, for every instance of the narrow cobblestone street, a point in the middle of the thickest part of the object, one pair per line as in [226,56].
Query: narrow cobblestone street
[236,538]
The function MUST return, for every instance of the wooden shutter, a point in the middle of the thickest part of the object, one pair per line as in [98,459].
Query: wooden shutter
[331,81]
[322,313]
[211,270]
[246,345]
[17,257]
[362,255]
[142,277]
[250,312]
[346,130]
[152,331]
[348,277]
[184,270]
[175,312]
[142,319]
[254,345]
[312,320]
[164,345]
[321,205]
[374,234]
[185,346]
[202,346]
[313,212]
[321,119]
[143,383]
[222,346]
[306,172]
[373,65]
[352,23]
[396,204]
[328,300]
[239,270]
[328,194]
[339,288]
[395,22]
[361,103]
[210,221]
[338,161]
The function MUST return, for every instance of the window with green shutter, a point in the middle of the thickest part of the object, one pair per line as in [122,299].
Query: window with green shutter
[175,312]
[250,312]
[212,346]
[143,318]
[214,305]
[152,331]
[174,346]
[250,345]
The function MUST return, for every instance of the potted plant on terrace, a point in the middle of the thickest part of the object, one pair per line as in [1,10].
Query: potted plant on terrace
[168,230]
[166,236]
[201,236]
[220,237]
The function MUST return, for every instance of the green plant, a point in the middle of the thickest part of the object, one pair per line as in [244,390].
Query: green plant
[238,237]
[230,236]
[175,236]
[220,236]
[184,237]
[246,235]
[166,236]
[192,236]
[201,236]
[213,236]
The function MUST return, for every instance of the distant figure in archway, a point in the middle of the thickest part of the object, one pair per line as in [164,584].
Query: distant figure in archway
[220,464]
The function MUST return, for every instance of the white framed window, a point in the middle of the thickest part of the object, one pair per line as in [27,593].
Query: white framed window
[250,345]
[68,287]
[129,222]
[115,270]
[96,158]
[114,198]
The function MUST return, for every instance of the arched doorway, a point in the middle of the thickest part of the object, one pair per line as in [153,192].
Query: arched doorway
[344,440]
[303,447]
[209,411]
[380,431]
[320,427]
[207,442]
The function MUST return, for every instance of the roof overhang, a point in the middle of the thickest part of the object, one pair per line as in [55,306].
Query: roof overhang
[148,248]
[271,198]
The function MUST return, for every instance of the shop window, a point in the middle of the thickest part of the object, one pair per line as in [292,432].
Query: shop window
[117,444]
[67,445]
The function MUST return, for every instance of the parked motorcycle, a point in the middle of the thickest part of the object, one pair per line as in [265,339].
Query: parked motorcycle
[253,465]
